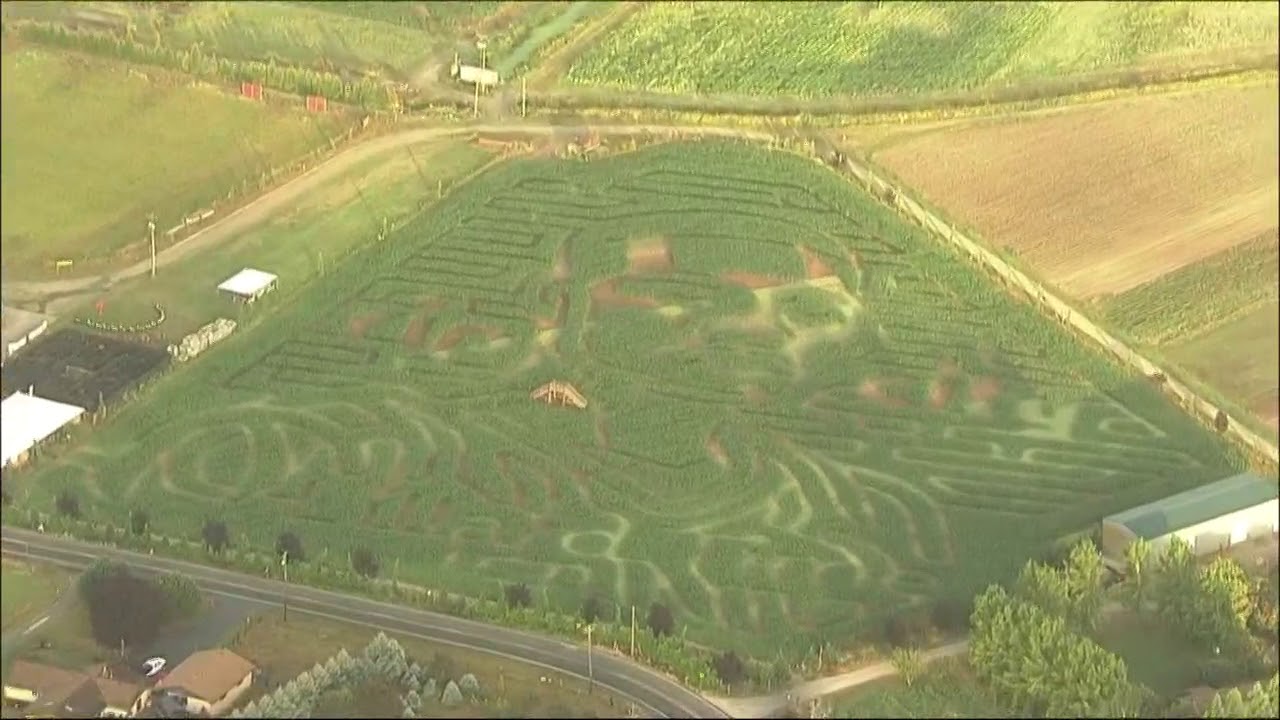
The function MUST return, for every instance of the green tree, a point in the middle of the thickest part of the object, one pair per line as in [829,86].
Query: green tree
[1038,666]
[1223,604]
[908,663]
[1174,586]
[1138,573]
[1044,586]
[1262,701]
[1084,575]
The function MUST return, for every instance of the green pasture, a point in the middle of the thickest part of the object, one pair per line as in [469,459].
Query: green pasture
[1200,296]
[868,48]
[90,147]
[316,234]
[779,472]
[1154,653]
[1238,358]
[945,689]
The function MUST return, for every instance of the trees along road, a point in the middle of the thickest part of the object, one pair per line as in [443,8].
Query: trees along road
[628,680]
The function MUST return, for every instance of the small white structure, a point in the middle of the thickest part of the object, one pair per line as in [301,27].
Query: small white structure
[249,284]
[483,77]
[28,420]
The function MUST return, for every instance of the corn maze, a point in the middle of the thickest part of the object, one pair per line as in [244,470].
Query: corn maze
[804,415]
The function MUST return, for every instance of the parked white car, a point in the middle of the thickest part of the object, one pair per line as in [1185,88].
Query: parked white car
[153,666]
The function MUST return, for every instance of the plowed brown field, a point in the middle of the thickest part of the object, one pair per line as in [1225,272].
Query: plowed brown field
[1102,198]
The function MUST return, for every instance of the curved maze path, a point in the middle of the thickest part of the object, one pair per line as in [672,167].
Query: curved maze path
[802,416]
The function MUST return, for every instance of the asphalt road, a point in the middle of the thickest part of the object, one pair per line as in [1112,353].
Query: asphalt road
[648,689]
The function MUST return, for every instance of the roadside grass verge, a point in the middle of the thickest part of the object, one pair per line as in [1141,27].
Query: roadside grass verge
[945,689]
[284,649]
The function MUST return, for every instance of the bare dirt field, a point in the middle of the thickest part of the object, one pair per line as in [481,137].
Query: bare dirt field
[1102,198]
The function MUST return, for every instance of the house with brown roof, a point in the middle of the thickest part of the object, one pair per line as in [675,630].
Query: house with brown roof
[209,682]
[48,691]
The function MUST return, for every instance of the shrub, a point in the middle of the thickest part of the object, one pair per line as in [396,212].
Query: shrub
[215,535]
[661,621]
[364,562]
[68,505]
[518,595]
[729,668]
[139,521]
[289,542]
[452,695]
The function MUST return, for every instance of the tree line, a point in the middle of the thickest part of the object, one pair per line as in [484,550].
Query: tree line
[365,93]
[1031,645]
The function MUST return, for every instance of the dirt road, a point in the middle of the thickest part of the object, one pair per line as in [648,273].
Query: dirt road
[62,294]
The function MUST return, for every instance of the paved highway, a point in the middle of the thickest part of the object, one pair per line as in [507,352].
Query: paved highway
[650,690]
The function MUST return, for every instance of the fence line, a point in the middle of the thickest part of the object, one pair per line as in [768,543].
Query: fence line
[1188,399]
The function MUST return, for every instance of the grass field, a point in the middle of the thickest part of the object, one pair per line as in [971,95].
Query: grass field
[1153,653]
[946,689]
[803,414]
[863,48]
[318,231]
[285,649]
[27,592]
[91,147]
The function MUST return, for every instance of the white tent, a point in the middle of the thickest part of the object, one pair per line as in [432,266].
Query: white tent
[28,420]
[249,284]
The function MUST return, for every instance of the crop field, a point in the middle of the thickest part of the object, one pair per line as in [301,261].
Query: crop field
[812,49]
[394,38]
[803,415]
[1101,198]
[1159,211]
[91,147]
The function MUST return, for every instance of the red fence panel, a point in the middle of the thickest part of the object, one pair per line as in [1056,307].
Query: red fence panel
[253,91]
[317,103]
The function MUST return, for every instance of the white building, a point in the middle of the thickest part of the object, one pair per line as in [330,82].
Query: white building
[27,421]
[249,284]
[1209,518]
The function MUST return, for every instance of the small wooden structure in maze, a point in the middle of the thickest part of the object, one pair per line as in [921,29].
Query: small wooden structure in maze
[561,393]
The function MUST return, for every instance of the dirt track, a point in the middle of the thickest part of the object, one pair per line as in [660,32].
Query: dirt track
[62,294]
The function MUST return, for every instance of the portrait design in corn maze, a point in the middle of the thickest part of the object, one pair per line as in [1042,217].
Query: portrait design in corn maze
[801,414]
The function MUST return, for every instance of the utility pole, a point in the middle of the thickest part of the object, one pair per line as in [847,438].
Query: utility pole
[151,229]
[484,54]
[475,110]
[284,592]
[591,675]
[633,631]
[524,97]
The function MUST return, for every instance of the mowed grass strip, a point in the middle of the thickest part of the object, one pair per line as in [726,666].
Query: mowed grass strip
[1200,297]
[867,48]
[803,414]
[945,689]
[92,146]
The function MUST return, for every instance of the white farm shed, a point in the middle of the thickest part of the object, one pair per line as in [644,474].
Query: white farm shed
[28,420]
[1209,518]
[481,76]
[249,284]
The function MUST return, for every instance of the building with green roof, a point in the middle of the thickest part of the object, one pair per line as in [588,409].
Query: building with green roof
[1209,518]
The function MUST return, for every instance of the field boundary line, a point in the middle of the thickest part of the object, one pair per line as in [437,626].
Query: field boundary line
[899,200]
